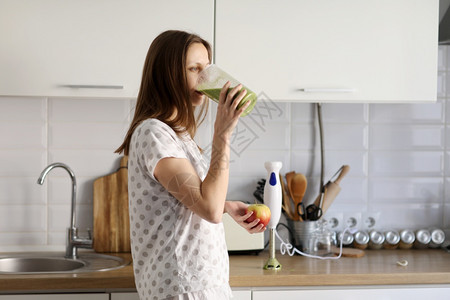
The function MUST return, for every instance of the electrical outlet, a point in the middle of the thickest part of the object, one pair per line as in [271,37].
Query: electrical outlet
[352,220]
[334,221]
[370,220]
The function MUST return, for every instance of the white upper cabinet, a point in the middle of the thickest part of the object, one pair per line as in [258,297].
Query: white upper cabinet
[82,48]
[331,50]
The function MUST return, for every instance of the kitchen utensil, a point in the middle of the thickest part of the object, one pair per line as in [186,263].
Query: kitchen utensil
[332,189]
[314,212]
[212,79]
[348,252]
[110,204]
[298,185]
[301,212]
[286,200]
[272,192]
[289,177]
[272,198]
[259,192]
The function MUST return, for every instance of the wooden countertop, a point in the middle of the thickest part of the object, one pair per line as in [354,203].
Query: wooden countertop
[430,266]
[375,268]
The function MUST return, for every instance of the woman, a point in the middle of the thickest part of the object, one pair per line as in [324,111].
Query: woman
[176,202]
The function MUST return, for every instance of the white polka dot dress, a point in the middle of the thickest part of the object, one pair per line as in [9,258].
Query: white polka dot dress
[174,250]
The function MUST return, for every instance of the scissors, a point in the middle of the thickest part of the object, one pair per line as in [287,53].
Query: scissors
[301,211]
[313,212]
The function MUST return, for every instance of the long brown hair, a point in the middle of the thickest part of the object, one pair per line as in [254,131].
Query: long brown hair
[164,87]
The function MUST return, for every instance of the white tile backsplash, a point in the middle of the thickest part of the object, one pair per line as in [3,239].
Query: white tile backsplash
[22,162]
[22,240]
[406,163]
[23,218]
[407,190]
[399,156]
[89,110]
[19,109]
[407,113]
[345,136]
[407,137]
[24,135]
[73,135]
[21,190]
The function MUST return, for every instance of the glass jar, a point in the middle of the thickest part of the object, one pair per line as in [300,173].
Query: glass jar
[361,240]
[391,239]
[407,238]
[423,239]
[376,240]
[346,238]
[437,238]
[321,240]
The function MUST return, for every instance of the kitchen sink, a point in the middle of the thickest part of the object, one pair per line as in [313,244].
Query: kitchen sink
[51,262]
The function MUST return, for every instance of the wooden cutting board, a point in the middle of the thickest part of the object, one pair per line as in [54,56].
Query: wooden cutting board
[111,219]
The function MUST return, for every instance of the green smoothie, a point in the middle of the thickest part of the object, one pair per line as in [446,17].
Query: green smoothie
[250,96]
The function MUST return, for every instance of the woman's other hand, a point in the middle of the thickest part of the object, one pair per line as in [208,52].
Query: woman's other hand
[237,210]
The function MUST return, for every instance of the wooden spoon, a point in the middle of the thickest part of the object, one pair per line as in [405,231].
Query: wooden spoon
[286,200]
[299,184]
[289,177]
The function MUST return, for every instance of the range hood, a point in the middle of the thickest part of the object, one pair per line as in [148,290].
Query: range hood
[444,22]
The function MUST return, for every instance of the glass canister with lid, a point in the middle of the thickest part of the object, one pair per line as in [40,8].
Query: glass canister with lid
[361,239]
[423,239]
[346,238]
[376,240]
[407,238]
[392,239]
[437,238]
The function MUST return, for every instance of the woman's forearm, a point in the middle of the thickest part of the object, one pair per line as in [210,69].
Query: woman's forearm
[215,185]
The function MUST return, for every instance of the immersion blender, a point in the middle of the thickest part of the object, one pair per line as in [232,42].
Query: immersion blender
[272,198]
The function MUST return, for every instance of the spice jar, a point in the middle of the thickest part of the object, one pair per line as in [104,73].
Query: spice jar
[361,240]
[407,238]
[346,238]
[437,238]
[334,238]
[423,239]
[321,240]
[376,240]
[391,239]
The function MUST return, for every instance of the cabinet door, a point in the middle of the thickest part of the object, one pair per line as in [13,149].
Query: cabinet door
[357,294]
[87,48]
[56,297]
[331,50]
[124,296]
[242,295]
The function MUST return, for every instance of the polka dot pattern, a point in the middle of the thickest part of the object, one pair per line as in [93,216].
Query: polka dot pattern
[174,251]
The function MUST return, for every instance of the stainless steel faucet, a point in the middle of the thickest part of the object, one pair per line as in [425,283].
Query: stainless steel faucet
[73,242]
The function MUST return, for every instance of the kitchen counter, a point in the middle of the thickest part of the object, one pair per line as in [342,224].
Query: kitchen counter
[375,268]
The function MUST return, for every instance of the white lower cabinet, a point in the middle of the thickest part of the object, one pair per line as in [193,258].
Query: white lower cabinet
[242,295]
[56,297]
[357,294]
[124,296]
[237,295]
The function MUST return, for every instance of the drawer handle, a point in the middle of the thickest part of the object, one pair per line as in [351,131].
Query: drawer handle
[320,90]
[93,86]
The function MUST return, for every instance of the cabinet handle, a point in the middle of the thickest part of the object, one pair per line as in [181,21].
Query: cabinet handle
[320,90]
[93,86]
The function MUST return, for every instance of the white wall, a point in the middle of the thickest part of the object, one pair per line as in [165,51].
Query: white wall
[399,156]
